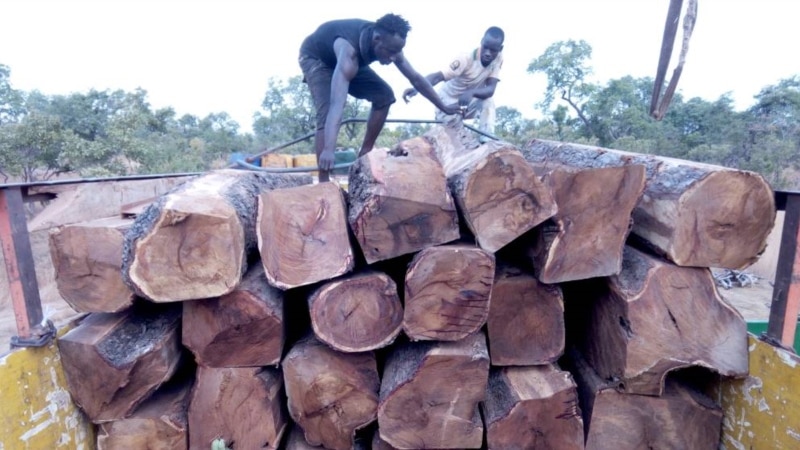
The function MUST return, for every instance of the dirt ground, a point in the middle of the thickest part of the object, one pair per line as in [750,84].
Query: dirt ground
[753,301]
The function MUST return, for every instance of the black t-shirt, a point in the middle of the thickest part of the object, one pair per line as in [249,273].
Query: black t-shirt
[357,32]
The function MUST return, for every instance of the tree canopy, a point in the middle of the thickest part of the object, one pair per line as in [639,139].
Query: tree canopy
[114,132]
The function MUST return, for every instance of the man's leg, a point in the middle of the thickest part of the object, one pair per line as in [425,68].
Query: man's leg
[487,116]
[318,77]
[367,85]
[319,144]
[375,122]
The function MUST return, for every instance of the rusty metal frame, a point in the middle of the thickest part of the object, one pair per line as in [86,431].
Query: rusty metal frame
[24,289]
[785,307]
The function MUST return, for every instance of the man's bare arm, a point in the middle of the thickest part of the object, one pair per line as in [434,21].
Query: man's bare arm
[422,85]
[346,68]
[433,78]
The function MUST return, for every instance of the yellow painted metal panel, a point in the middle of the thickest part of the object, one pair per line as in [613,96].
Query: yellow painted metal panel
[762,411]
[37,411]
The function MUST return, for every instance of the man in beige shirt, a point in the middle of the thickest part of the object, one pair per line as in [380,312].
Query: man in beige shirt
[470,82]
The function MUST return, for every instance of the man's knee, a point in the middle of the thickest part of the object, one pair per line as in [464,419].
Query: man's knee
[383,100]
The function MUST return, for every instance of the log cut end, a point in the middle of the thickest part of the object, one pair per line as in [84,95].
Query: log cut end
[399,201]
[243,406]
[358,313]
[330,394]
[705,216]
[592,223]
[447,292]
[113,362]
[87,259]
[731,213]
[194,250]
[526,320]
[658,317]
[430,394]
[501,198]
[533,407]
[303,236]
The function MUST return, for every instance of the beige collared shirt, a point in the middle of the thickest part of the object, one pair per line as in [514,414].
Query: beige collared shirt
[466,72]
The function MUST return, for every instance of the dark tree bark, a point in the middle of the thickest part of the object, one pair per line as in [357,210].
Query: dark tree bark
[114,361]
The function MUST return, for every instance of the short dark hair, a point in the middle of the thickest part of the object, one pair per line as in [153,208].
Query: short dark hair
[393,24]
[496,32]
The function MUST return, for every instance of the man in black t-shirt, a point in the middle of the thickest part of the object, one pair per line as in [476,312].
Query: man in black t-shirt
[335,61]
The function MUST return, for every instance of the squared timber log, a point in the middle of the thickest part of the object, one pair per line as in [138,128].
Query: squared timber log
[399,202]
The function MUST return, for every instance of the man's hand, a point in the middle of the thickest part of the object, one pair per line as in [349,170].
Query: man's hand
[326,160]
[408,93]
[464,99]
[454,109]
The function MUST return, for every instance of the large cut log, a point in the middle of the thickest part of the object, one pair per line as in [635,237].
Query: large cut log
[399,203]
[681,418]
[430,393]
[159,423]
[244,406]
[330,394]
[526,319]
[694,214]
[532,408]
[114,361]
[87,258]
[194,242]
[296,441]
[595,203]
[447,291]
[496,190]
[357,313]
[303,235]
[653,318]
[244,328]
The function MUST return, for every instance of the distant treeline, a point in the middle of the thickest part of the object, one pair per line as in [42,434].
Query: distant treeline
[105,133]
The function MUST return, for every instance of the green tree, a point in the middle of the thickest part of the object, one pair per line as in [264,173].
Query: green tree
[289,114]
[773,125]
[565,63]
[11,101]
[32,149]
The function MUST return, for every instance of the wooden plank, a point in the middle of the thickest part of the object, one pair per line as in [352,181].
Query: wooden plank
[763,409]
[20,268]
[786,295]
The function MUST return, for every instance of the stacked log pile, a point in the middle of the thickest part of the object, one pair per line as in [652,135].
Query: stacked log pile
[458,296]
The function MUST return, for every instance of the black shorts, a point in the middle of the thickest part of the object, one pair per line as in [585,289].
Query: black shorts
[366,85]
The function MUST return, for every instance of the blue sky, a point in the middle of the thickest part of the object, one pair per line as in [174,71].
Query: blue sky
[207,56]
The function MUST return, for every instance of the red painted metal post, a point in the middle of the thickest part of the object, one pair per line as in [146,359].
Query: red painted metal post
[18,256]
